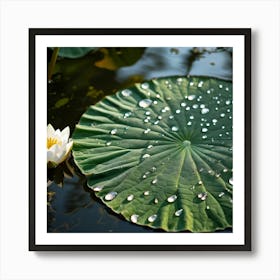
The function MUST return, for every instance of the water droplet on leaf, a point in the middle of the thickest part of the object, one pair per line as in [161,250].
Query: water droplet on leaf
[191,97]
[126,92]
[130,197]
[221,194]
[179,212]
[145,86]
[153,169]
[134,218]
[202,196]
[154,181]
[152,218]
[144,103]
[172,198]
[98,188]
[145,156]
[110,196]
[204,111]
[127,114]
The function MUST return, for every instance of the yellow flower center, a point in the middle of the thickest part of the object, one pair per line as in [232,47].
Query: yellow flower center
[52,141]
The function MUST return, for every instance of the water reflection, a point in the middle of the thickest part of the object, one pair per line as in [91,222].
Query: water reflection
[163,62]
[74,208]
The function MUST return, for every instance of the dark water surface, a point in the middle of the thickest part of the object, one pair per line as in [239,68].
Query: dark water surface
[79,83]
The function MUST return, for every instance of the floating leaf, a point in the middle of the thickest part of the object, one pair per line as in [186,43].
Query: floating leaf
[114,58]
[160,153]
[74,52]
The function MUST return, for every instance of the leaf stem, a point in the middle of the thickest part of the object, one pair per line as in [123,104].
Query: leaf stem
[52,63]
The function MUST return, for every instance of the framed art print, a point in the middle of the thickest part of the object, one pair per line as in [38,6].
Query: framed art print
[148,136]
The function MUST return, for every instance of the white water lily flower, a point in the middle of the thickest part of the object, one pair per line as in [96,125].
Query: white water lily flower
[58,145]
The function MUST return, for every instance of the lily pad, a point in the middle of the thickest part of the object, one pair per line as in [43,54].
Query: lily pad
[74,52]
[160,153]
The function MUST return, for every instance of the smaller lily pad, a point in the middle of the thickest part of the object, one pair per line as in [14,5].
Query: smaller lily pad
[74,52]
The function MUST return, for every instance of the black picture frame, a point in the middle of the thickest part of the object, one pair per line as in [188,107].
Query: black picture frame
[33,167]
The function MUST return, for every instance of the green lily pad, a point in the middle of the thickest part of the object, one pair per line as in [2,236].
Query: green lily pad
[74,52]
[160,153]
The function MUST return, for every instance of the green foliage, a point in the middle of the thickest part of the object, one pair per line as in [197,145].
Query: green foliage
[160,153]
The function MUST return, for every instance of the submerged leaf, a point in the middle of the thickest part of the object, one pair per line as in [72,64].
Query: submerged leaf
[160,153]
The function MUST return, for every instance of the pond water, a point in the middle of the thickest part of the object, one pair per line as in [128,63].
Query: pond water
[78,83]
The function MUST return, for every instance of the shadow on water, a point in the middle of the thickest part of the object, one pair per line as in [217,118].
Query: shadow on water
[78,83]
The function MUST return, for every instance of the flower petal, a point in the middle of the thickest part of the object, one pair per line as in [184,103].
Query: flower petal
[65,134]
[57,133]
[55,153]
[69,146]
[51,157]
[50,131]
